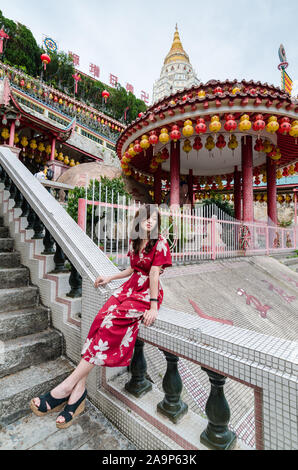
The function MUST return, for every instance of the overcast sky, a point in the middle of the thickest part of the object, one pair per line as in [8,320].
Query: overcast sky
[130,39]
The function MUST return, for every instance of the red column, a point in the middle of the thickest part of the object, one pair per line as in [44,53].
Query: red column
[157,186]
[175,173]
[247,178]
[53,149]
[190,188]
[271,192]
[12,133]
[237,194]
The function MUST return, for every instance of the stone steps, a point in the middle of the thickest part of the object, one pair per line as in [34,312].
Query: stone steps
[10,260]
[4,232]
[14,277]
[6,245]
[21,297]
[23,322]
[26,351]
[18,389]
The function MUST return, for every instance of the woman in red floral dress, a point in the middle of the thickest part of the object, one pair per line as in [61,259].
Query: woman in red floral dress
[114,331]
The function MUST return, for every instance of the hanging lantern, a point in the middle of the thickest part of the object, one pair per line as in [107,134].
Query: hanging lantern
[201,94]
[46,60]
[137,148]
[41,148]
[210,144]
[245,124]
[294,130]
[233,143]
[236,90]
[145,144]
[264,179]
[164,136]
[188,129]
[296,167]
[105,94]
[175,133]
[292,170]
[279,174]
[280,198]
[24,143]
[259,147]
[153,139]
[230,124]
[131,151]
[22,83]
[198,144]
[285,126]
[201,127]
[33,145]
[61,157]
[218,90]
[165,154]
[221,143]
[268,147]
[257,180]
[66,160]
[272,126]
[215,125]
[259,123]
[187,147]
[275,155]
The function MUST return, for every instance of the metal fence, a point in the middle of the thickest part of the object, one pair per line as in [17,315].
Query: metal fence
[192,237]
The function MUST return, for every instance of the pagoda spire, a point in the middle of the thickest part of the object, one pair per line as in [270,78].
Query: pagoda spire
[177,52]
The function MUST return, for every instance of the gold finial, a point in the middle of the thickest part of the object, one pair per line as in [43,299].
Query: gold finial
[177,52]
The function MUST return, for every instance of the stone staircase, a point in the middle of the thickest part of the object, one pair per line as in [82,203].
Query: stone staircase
[31,363]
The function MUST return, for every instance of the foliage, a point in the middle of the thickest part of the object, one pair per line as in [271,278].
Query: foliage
[286,223]
[225,206]
[109,190]
[21,49]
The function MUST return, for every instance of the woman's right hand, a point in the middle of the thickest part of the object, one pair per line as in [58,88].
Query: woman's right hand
[102,281]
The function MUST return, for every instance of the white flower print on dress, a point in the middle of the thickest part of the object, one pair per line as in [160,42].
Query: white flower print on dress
[129,292]
[133,313]
[86,346]
[127,338]
[108,321]
[142,279]
[99,357]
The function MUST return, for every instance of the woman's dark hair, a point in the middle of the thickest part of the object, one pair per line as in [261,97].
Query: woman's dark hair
[144,213]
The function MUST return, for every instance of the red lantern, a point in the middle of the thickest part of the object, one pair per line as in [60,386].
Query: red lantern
[197,144]
[296,167]
[165,154]
[285,126]
[185,98]
[56,99]
[22,83]
[259,147]
[46,60]
[218,90]
[201,127]
[259,124]
[257,180]
[175,134]
[221,143]
[105,94]
[253,91]
[137,148]
[231,124]
[141,115]
[285,172]
[153,139]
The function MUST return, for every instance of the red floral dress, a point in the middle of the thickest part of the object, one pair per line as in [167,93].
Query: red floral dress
[112,336]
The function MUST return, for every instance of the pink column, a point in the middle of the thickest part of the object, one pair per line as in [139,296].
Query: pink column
[271,192]
[190,188]
[237,194]
[157,186]
[53,149]
[175,173]
[247,179]
[12,133]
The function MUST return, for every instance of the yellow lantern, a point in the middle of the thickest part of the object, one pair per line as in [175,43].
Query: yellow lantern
[233,143]
[244,124]
[268,147]
[41,147]
[188,129]
[145,144]
[265,197]
[264,179]
[158,158]
[288,198]
[228,198]
[5,133]
[236,90]
[66,160]
[173,102]
[221,186]
[33,144]
[48,150]
[28,85]
[72,163]
[215,125]
[187,147]
[277,156]
[61,101]
[272,126]
[292,170]
[259,197]
[294,129]
[131,151]
[201,94]
[24,142]
[77,163]
[50,96]
[279,174]
[164,136]
[210,144]
[60,157]
[16,139]
[280,198]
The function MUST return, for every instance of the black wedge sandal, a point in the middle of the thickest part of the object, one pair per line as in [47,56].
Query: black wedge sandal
[77,408]
[56,404]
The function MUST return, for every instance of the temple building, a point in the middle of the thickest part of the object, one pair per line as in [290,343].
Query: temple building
[177,73]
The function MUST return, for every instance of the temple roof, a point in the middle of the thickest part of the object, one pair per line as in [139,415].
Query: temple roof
[177,52]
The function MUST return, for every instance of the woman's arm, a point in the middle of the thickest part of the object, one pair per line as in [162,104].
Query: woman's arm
[151,315]
[101,280]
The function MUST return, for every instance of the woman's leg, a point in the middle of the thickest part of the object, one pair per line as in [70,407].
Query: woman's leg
[75,396]
[66,387]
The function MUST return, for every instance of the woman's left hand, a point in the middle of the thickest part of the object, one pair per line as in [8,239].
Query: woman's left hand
[150,316]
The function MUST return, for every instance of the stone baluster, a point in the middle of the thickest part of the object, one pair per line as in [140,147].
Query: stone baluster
[7,182]
[2,174]
[38,228]
[172,406]
[75,282]
[59,260]
[31,219]
[48,243]
[217,435]
[25,208]
[18,199]
[138,385]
